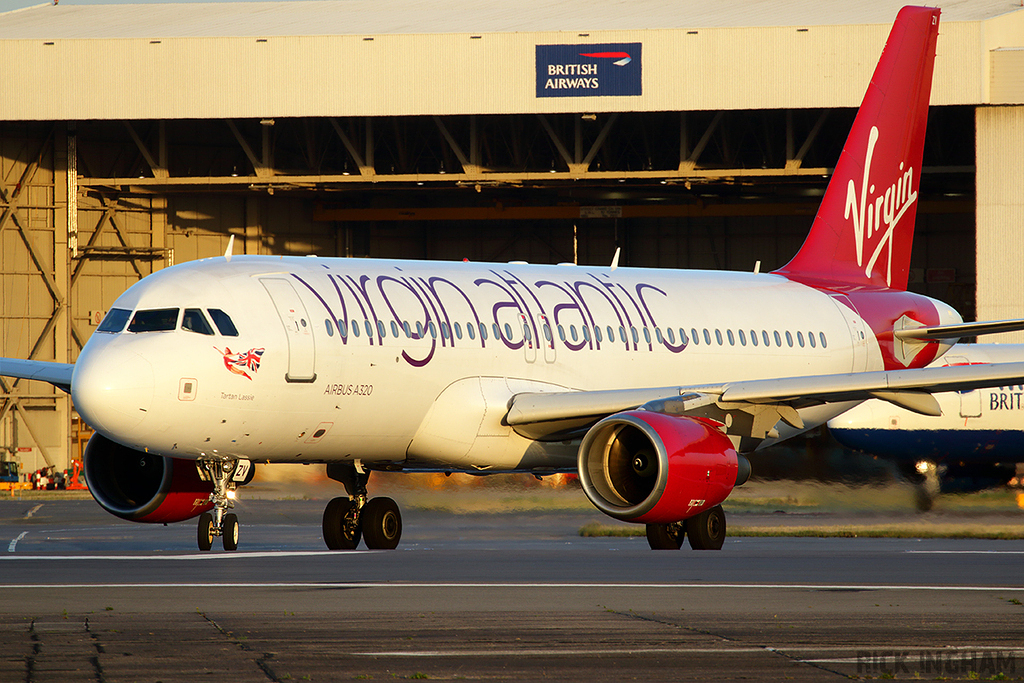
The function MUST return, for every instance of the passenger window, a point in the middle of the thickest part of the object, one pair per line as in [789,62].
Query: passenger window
[647,335]
[508,332]
[547,332]
[731,338]
[369,328]
[718,336]
[657,334]
[611,333]
[432,329]
[561,333]
[633,333]
[114,320]
[671,336]
[764,336]
[586,333]
[458,331]
[810,338]
[155,320]
[193,320]
[821,336]
[789,339]
[682,336]
[526,332]
[355,329]
[394,329]
[597,333]
[778,339]
[800,339]
[343,328]
[707,337]
[381,331]
[622,334]
[330,327]
[223,322]
[572,332]
[743,338]
[445,332]
[483,332]
[497,330]
[753,337]
[470,331]
[408,330]
[419,330]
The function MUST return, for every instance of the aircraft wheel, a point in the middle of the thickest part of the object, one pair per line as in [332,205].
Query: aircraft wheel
[706,531]
[338,533]
[229,532]
[205,531]
[382,524]
[666,536]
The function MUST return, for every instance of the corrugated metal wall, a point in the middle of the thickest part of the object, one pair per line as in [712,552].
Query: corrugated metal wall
[1000,216]
[397,75]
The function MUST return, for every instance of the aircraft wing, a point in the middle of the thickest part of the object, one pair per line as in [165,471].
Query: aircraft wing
[766,401]
[57,374]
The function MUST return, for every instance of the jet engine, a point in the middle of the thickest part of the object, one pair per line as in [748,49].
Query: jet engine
[642,466]
[142,487]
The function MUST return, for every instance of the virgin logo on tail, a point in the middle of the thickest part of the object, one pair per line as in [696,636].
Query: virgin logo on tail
[876,214]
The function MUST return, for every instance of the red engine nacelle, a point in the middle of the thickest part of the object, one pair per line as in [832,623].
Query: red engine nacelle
[640,466]
[142,487]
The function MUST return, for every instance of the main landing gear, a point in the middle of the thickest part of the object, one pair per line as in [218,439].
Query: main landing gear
[706,531]
[224,474]
[378,521]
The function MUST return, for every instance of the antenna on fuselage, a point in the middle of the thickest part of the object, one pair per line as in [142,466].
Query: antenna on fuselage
[615,259]
[757,267]
[231,246]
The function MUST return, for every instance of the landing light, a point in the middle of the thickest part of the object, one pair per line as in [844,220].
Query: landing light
[231,495]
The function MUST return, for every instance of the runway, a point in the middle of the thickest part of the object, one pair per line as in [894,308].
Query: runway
[490,597]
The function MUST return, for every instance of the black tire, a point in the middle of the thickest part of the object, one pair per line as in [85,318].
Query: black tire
[338,535]
[204,533]
[382,524]
[666,536]
[706,531]
[229,532]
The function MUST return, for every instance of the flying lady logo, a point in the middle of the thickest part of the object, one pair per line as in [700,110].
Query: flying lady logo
[239,363]
[876,214]
[589,70]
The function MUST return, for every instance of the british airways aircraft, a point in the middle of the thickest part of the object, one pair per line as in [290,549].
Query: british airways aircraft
[975,443]
[650,383]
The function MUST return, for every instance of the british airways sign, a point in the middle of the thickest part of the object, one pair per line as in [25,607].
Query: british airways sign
[589,70]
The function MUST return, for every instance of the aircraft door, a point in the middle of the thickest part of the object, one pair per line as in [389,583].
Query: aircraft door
[530,340]
[858,332]
[546,338]
[299,329]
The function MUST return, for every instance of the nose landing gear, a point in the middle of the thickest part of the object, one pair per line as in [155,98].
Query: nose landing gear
[224,474]
[378,521]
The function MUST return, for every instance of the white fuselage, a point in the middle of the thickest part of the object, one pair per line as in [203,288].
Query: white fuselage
[438,354]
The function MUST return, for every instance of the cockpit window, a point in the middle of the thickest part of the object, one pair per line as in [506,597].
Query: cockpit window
[223,322]
[114,320]
[195,321]
[155,320]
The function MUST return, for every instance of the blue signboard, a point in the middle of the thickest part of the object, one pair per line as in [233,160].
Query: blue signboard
[589,70]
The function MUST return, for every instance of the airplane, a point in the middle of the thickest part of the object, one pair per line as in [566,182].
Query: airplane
[650,383]
[975,444]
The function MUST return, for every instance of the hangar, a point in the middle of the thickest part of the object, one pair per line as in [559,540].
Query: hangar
[699,135]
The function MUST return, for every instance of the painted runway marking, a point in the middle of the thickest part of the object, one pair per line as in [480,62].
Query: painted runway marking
[33,511]
[966,552]
[195,556]
[14,541]
[562,653]
[553,585]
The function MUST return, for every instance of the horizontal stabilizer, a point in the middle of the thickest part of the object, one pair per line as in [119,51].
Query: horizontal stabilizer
[959,331]
[57,374]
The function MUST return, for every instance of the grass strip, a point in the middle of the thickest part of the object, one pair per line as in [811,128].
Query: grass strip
[852,531]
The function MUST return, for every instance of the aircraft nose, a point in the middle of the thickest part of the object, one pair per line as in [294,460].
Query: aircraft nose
[112,391]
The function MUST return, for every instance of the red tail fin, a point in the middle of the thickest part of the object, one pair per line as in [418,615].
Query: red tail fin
[865,225]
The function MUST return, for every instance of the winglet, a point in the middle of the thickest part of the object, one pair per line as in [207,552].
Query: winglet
[231,246]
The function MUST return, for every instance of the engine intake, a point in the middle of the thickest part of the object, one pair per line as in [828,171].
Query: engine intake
[641,466]
[142,487]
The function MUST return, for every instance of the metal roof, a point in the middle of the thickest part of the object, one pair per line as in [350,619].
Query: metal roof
[383,17]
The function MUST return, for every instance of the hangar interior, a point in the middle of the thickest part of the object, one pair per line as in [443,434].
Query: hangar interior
[115,163]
